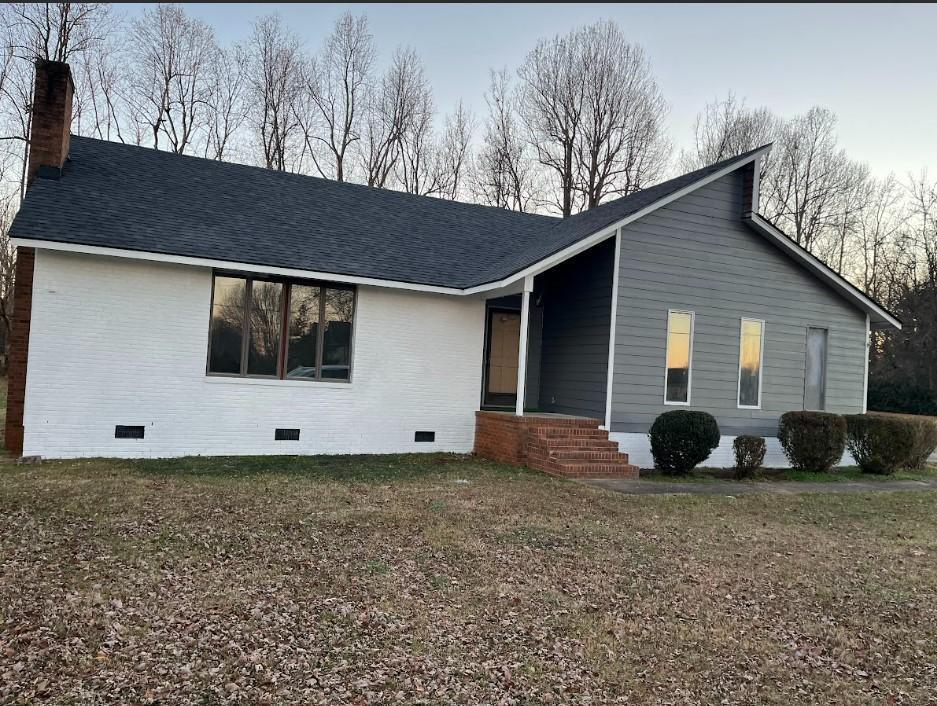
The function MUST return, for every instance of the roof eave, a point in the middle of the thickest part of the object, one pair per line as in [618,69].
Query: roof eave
[880,318]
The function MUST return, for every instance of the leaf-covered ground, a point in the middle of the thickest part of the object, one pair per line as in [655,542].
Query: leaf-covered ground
[438,580]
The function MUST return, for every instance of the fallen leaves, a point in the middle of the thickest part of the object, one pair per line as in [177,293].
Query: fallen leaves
[121,586]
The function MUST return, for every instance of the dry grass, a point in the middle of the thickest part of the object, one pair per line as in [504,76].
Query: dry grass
[391,580]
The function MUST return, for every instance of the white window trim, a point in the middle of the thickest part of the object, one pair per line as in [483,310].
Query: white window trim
[689,378]
[761,364]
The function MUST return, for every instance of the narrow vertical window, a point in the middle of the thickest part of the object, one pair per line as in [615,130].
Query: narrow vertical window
[304,332]
[229,304]
[264,325]
[815,370]
[679,357]
[751,351]
[336,342]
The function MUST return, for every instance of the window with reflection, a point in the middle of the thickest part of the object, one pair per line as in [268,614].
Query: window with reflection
[336,344]
[228,307]
[679,355]
[751,350]
[264,326]
[302,361]
[280,329]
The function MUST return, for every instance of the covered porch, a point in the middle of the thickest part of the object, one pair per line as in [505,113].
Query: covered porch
[547,339]
[546,370]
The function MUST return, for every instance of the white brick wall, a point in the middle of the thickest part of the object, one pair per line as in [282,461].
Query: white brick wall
[117,341]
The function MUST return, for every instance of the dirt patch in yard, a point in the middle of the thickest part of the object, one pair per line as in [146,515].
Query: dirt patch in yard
[439,579]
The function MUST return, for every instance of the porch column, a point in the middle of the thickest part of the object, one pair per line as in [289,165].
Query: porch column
[522,345]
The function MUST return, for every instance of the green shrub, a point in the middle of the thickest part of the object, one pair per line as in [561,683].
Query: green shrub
[924,444]
[682,439]
[812,441]
[881,444]
[749,455]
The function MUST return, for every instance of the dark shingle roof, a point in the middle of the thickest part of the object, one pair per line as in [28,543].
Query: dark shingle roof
[120,196]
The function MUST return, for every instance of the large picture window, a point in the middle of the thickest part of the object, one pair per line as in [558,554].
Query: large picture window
[280,329]
[679,357]
[751,352]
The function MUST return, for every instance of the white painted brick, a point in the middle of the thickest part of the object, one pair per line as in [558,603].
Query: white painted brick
[118,341]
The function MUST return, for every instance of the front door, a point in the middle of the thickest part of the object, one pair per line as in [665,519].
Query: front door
[504,333]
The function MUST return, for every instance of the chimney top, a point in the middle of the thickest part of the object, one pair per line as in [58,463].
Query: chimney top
[51,119]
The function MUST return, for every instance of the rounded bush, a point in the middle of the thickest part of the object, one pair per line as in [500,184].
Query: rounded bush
[881,444]
[925,442]
[682,439]
[812,441]
[749,455]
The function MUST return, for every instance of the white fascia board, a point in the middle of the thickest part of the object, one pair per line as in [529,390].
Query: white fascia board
[824,272]
[227,265]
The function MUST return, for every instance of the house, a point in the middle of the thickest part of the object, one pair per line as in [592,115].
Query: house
[169,305]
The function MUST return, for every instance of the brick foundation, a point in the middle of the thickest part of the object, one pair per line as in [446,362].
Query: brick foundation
[19,349]
[571,447]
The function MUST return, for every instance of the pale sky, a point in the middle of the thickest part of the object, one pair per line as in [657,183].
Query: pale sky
[874,65]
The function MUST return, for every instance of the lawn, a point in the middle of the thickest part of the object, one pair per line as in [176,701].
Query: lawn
[440,579]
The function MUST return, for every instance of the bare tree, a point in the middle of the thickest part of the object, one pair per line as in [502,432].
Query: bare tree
[904,367]
[99,106]
[504,174]
[7,270]
[810,175]
[726,128]
[393,107]
[275,85]
[418,169]
[54,30]
[553,90]
[621,145]
[226,109]
[172,58]
[879,223]
[337,82]
[455,155]
[855,196]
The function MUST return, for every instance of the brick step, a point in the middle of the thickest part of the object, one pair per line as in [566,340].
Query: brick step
[590,469]
[572,432]
[568,447]
[564,423]
[562,431]
[576,443]
[588,455]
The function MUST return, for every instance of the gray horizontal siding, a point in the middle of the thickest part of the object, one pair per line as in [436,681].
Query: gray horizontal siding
[696,254]
[577,309]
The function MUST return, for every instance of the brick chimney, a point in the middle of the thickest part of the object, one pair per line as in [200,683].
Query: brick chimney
[51,119]
[50,125]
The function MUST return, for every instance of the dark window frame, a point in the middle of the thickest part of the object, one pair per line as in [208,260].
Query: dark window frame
[283,349]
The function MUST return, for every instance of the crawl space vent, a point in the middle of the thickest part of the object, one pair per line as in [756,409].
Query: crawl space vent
[286,435]
[124,432]
[424,436]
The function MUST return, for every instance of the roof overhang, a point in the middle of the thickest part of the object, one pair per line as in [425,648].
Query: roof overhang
[879,317]
[229,265]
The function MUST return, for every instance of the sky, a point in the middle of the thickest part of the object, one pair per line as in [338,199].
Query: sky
[873,65]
